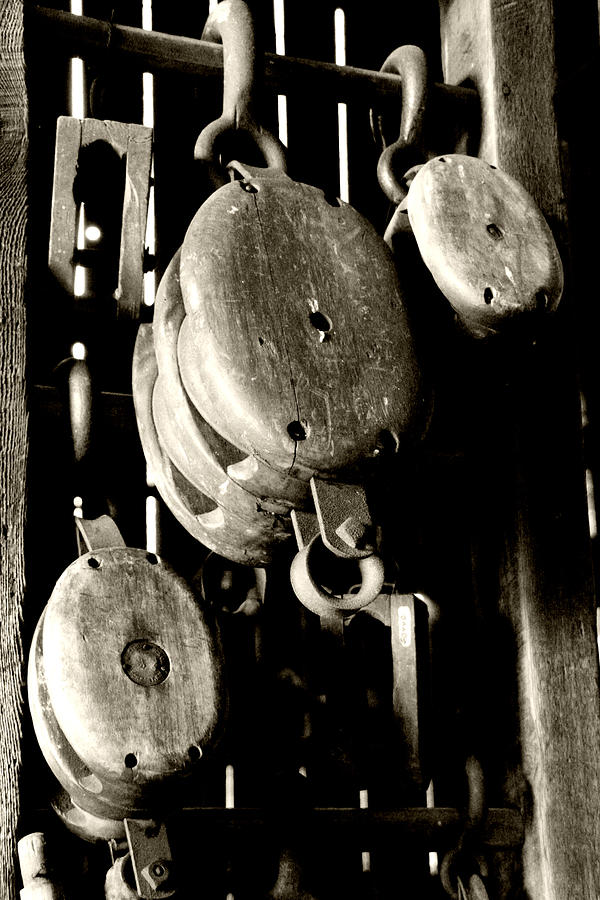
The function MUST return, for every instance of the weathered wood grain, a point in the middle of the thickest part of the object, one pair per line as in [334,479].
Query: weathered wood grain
[410,661]
[132,673]
[198,451]
[296,328]
[486,244]
[249,540]
[13,419]
[532,564]
[38,869]
[83,787]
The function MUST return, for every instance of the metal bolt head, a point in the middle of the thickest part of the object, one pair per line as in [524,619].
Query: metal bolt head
[353,533]
[156,873]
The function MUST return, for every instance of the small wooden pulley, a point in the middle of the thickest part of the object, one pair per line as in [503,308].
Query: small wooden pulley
[125,685]
[485,242]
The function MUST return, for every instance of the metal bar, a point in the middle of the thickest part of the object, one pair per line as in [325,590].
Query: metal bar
[155,51]
[433,827]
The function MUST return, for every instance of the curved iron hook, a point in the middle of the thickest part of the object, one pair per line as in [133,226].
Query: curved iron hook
[474,822]
[231,23]
[410,63]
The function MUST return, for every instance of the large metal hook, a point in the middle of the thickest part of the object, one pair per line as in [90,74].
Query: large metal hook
[231,23]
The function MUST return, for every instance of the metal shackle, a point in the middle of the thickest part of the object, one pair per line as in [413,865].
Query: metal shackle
[315,598]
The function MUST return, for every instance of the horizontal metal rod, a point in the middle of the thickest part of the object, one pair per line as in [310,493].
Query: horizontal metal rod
[430,828]
[155,51]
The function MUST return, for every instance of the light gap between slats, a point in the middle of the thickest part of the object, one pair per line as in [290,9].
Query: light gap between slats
[339,29]
[77,98]
[148,121]
[279,19]
[78,111]
[152,511]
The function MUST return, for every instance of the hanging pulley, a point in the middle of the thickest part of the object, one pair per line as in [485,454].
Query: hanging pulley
[281,348]
[479,232]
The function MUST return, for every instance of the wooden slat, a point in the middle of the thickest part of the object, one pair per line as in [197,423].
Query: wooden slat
[13,418]
[532,565]
[48,91]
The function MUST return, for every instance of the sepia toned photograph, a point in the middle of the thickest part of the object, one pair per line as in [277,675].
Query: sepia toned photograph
[299,453]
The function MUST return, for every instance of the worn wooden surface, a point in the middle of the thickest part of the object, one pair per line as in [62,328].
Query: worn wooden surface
[13,419]
[530,530]
[251,540]
[157,52]
[198,451]
[296,328]
[104,803]
[212,464]
[486,244]
[141,700]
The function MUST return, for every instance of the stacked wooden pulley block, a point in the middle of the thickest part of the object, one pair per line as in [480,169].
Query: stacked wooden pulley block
[282,344]
[280,352]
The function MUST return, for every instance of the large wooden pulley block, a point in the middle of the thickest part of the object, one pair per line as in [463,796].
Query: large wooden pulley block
[125,683]
[296,344]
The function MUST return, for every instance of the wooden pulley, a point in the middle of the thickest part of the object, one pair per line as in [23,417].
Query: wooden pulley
[250,539]
[125,687]
[486,244]
[208,461]
[296,345]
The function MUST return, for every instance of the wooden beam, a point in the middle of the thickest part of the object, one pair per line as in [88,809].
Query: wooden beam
[532,563]
[156,51]
[434,827]
[13,420]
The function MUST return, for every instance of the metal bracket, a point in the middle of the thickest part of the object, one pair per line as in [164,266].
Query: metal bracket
[97,534]
[341,516]
[407,617]
[151,858]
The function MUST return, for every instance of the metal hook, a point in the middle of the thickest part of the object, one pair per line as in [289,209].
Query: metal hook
[410,63]
[231,23]
[474,822]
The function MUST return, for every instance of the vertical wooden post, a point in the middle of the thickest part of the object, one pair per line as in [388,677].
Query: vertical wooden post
[13,420]
[533,567]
